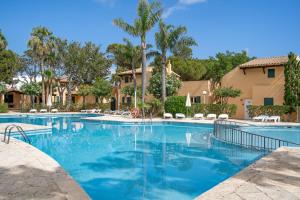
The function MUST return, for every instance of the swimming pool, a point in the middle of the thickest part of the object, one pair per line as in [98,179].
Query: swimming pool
[112,160]
[286,133]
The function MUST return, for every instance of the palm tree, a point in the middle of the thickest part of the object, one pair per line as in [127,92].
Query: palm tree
[148,15]
[3,41]
[168,39]
[39,44]
[129,56]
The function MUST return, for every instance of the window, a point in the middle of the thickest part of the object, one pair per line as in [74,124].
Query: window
[73,99]
[9,98]
[123,100]
[271,73]
[128,101]
[97,99]
[126,79]
[268,101]
[197,99]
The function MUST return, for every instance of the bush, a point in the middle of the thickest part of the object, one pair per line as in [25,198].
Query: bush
[268,110]
[3,108]
[176,104]
[217,109]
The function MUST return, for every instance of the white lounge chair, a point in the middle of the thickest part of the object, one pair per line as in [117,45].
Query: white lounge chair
[83,111]
[91,111]
[168,116]
[272,119]
[211,116]
[260,118]
[54,110]
[199,116]
[33,111]
[179,115]
[223,116]
[43,110]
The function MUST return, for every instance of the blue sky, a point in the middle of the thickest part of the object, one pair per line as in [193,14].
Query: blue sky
[262,27]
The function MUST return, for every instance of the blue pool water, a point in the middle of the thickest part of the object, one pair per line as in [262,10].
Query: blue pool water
[113,160]
[290,134]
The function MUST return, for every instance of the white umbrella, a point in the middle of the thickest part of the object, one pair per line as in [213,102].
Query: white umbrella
[188,101]
[49,102]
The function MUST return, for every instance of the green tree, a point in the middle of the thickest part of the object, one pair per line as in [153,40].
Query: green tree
[292,81]
[3,91]
[222,63]
[32,89]
[189,69]
[172,85]
[84,91]
[101,88]
[10,65]
[168,39]
[148,15]
[223,94]
[3,41]
[40,45]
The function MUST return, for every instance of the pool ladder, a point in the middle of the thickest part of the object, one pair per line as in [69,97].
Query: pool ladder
[20,130]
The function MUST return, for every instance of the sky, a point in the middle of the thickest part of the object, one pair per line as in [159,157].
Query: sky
[263,28]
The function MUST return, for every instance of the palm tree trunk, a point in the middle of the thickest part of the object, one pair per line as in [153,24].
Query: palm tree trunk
[163,81]
[69,99]
[43,84]
[144,75]
[134,84]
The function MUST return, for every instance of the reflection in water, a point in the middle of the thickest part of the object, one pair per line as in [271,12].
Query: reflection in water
[130,161]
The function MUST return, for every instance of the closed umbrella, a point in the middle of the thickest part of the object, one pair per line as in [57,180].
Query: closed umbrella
[49,102]
[188,101]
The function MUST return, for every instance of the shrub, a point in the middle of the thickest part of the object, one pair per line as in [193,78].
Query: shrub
[217,109]
[3,108]
[268,110]
[175,104]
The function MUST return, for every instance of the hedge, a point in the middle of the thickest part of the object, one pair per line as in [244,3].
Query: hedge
[3,108]
[176,104]
[268,110]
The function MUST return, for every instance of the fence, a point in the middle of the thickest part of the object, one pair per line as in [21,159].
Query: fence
[230,132]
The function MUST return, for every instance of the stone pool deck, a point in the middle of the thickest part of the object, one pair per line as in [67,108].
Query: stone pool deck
[27,173]
[274,177]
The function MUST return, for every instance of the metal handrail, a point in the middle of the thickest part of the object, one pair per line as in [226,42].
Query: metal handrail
[20,130]
[228,131]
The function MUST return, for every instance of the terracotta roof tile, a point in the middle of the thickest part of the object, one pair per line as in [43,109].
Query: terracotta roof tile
[260,62]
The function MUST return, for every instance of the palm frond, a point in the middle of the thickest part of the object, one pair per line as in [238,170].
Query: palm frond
[125,26]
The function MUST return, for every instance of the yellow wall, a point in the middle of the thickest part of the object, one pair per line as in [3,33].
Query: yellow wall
[196,88]
[255,85]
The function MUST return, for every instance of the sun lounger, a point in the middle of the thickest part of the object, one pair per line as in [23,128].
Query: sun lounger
[43,110]
[54,110]
[168,116]
[33,111]
[272,119]
[211,116]
[91,111]
[179,115]
[223,117]
[83,111]
[260,118]
[199,116]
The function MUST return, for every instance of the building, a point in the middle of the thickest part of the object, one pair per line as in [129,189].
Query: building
[200,91]
[261,82]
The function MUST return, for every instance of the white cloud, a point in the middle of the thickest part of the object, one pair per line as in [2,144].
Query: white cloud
[180,5]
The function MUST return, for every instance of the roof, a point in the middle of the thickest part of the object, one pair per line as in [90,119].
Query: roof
[139,71]
[265,62]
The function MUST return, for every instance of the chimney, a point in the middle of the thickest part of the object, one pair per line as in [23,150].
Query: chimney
[169,67]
